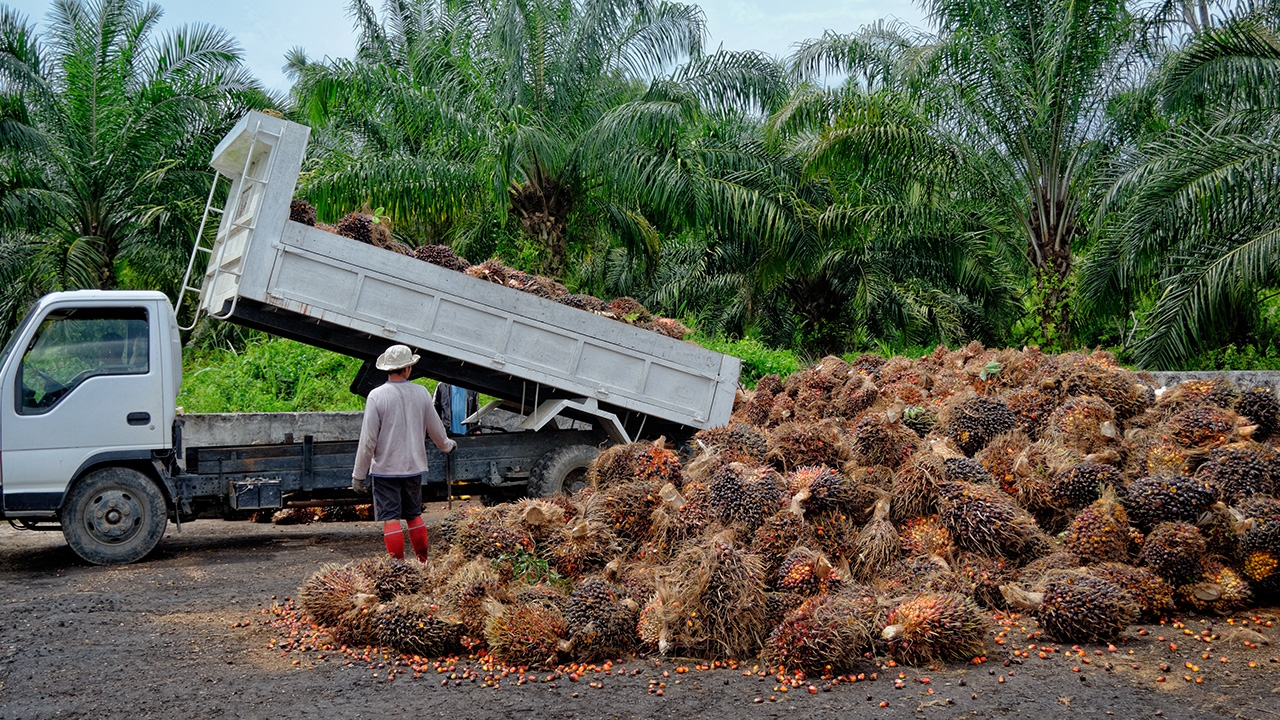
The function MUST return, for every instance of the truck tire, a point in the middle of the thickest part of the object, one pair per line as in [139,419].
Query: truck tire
[563,470]
[114,516]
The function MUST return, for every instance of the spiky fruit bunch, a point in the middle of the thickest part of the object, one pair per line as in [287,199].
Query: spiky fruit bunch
[491,270]
[1260,541]
[1166,498]
[915,574]
[293,516]
[1217,391]
[776,537]
[1031,409]
[1202,427]
[1000,456]
[914,492]
[629,309]
[984,519]
[468,591]
[1220,590]
[925,536]
[589,303]
[815,387]
[972,423]
[300,211]
[1100,532]
[1082,483]
[1174,550]
[329,593]
[930,627]
[455,520]
[443,256]
[1033,574]
[755,411]
[525,635]
[770,383]
[1154,454]
[616,465]
[1151,593]
[1238,471]
[877,544]
[833,532]
[601,620]
[359,625]
[1258,405]
[854,397]
[485,534]
[878,441]
[823,489]
[735,442]
[1112,385]
[808,572]
[534,516]
[905,392]
[391,577]
[963,469]
[719,591]
[828,632]
[920,420]
[681,516]
[627,509]
[798,444]
[358,227]
[985,575]
[580,548]
[1084,424]
[783,412]
[1078,607]
[418,625]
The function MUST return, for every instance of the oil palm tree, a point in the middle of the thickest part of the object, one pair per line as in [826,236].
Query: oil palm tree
[107,131]
[1191,239]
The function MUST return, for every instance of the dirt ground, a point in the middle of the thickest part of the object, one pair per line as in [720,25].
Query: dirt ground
[190,633]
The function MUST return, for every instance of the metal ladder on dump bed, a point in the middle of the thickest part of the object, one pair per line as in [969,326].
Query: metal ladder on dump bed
[219,244]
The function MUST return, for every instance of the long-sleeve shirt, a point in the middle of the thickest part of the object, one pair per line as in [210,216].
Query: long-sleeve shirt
[397,418]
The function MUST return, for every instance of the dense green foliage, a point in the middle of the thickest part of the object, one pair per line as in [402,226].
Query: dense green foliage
[1061,173]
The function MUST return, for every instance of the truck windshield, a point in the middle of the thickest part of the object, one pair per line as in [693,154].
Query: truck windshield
[75,344]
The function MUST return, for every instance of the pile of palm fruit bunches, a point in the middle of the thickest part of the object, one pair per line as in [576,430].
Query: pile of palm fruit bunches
[883,506]
[367,228]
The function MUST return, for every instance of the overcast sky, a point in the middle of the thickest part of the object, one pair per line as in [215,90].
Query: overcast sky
[267,28]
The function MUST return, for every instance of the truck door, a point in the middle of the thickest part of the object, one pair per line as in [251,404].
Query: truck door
[88,386]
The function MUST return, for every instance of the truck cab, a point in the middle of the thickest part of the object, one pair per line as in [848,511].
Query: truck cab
[87,402]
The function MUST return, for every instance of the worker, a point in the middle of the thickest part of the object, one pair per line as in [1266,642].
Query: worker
[393,455]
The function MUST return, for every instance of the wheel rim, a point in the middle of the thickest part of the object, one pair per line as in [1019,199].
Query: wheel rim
[114,516]
[574,481]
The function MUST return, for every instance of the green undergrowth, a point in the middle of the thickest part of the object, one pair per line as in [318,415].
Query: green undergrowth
[270,375]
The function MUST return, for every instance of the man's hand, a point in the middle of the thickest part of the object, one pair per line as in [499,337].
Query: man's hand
[453,445]
[361,485]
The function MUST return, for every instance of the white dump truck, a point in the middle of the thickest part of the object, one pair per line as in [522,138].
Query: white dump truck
[91,442]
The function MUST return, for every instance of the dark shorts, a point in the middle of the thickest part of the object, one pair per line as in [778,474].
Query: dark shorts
[397,497]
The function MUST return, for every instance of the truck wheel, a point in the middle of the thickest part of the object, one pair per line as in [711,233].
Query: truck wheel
[114,516]
[563,470]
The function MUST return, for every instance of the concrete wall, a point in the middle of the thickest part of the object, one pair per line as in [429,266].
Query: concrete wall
[1244,378]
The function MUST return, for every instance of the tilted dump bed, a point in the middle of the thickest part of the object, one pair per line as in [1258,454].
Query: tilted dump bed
[268,272]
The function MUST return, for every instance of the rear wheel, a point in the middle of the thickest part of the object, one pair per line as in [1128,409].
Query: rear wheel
[114,516]
[563,470]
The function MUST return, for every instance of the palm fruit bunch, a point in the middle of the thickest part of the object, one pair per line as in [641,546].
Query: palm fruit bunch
[1152,453]
[330,592]
[985,575]
[627,509]
[1034,573]
[1260,541]
[1239,470]
[443,256]
[358,227]
[616,465]
[451,523]
[1100,532]
[1217,391]
[1000,456]
[963,469]
[833,532]
[666,326]
[1166,498]
[718,590]
[984,519]
[1152,594]
[824,633]
[808,572]
[1084,424]
[484,533]
[629,309]
[777,536]
[821,489]
[391,577]
[293,516]
[1113,385]
[535,517]
[1031,409]
[877,544]
[1082,483]
[914,491]
[588,303]
[973,422]
[1077,607]
[762,496]
[300,211]
[528,635]
[921,420]
[925,536]
[1258,405]
[814,388]
[418,625]
[941,626]
[579,548]
[1221,590]
[469,591]
[680,517]
[916,574]
[855,396]
[754,409]
[797,444]
[1174,551]
[601,620]
[1202,426]
[359,625]
[736,442]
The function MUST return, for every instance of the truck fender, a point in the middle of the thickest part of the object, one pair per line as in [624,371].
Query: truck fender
[141,460]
